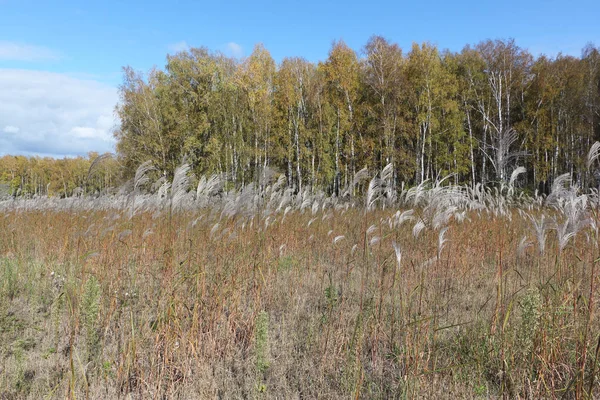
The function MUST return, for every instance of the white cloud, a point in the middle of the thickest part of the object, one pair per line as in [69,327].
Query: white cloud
[10,129]
[55,114]
[179,46]
[13,51]
[234,49]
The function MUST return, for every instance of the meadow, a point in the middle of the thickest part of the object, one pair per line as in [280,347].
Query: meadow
[190,289]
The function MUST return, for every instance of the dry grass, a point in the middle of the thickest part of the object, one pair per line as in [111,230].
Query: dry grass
[95,304]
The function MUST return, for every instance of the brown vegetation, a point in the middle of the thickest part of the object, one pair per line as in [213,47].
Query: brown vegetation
[334,303]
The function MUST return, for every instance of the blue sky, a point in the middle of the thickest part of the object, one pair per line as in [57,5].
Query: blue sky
[60,61]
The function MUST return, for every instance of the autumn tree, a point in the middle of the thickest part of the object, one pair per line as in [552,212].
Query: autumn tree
[385,85]
[475,114]
[256,78]
[341,70]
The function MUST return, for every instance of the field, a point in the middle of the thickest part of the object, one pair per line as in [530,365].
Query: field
[437,291]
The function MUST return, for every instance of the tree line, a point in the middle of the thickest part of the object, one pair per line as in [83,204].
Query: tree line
[37,176]
[476,115]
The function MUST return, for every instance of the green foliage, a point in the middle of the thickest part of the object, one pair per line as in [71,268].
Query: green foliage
[530,320]
[90,308]
[286,263]
[9,279]
[261,341]
[55,315]
[332,295]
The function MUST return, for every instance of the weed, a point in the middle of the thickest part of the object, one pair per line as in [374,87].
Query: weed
[90,309]
[530,320]
[261,341]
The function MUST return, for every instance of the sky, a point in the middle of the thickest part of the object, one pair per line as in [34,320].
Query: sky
[61,60]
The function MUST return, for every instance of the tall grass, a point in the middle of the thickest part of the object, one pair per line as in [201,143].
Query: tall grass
[433,292]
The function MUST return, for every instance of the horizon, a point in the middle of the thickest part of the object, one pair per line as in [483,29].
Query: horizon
[60,66]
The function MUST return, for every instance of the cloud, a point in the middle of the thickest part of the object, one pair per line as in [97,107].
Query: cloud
[179,46]
[234,49]
[13,51]
[45,113]
[11,129]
